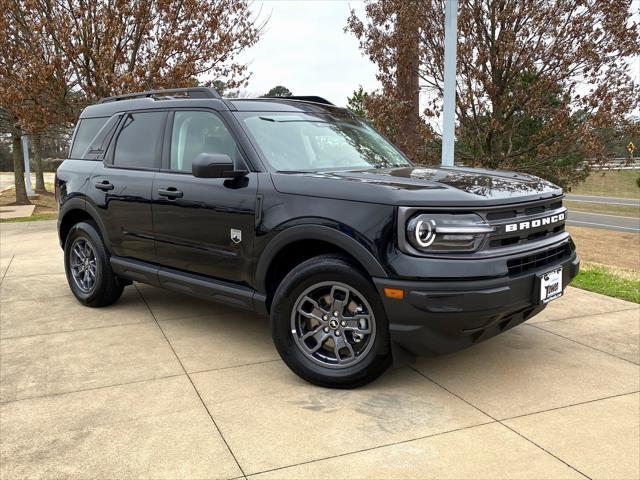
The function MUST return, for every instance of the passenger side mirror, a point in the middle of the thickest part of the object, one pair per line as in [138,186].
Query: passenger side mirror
[215,165]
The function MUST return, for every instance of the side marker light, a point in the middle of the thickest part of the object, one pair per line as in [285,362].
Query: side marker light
[395,293]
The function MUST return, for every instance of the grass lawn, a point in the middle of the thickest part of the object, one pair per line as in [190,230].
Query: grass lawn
[620,183]
[606,247]
[610,262]
[46,206]
[33,218]
[618,283]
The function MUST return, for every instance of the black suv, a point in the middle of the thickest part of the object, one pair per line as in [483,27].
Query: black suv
[296,209]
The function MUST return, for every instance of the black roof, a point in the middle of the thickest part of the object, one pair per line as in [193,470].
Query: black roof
[282,104]
[190,92]
[198,97]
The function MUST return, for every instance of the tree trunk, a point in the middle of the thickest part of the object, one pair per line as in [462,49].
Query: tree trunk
[18,170]
[407,79]
[495,143]
[37,156]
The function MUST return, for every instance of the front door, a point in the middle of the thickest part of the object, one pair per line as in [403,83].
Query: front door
[203,225]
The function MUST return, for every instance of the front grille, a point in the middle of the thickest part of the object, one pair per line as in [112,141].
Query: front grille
[525,213]
[538,260]
[517,239]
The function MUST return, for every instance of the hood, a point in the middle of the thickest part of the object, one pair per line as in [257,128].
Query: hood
[425,186]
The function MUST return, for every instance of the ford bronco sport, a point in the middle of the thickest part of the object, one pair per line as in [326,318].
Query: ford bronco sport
[294,208]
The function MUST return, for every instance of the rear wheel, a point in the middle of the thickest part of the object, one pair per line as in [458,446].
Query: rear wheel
[88,269]
[329,325]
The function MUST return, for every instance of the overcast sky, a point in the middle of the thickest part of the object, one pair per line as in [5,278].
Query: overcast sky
[305,49]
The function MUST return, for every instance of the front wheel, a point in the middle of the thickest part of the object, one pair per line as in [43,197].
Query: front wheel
[329,325]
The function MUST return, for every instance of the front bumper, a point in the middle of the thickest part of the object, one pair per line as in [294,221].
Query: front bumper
[441,316]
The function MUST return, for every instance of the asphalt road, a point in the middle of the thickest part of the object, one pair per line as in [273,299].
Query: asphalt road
[606,200]
[607,222]
[6,179]
[5,182]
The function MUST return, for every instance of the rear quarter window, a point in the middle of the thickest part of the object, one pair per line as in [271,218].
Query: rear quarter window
[86,131]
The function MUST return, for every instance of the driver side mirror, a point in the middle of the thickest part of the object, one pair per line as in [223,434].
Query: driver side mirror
[215,165]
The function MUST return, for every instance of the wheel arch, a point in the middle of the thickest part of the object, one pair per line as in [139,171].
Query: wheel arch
[77,210]
[299,243]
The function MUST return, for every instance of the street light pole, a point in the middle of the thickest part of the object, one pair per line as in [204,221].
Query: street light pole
[449,111]
[27,169]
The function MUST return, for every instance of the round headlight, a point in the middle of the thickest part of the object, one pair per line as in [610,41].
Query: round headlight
[425,232]
[446,232]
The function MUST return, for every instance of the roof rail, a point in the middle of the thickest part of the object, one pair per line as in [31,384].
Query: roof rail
[191,92]
[306,98]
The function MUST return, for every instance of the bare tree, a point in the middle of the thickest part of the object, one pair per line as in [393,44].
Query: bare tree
[391,40]
[115,47]
[9,124]
[535,77]
[35,79]
[56,56]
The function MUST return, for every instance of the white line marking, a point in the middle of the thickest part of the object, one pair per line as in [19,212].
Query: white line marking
[605,225]
[603,202]
[601,214]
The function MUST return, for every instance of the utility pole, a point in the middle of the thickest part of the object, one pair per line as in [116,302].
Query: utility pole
[449,110]
[27,170]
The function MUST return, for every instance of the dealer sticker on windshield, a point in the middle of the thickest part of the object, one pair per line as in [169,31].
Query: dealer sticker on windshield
[551,285]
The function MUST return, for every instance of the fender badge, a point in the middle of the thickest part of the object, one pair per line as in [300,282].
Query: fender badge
[236,235]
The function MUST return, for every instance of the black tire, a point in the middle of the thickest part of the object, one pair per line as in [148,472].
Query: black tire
[316,273]
[106,288]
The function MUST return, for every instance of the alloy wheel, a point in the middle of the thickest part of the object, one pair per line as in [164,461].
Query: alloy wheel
[333,324]
[83,265]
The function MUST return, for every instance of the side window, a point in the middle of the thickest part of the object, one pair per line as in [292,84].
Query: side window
[88,128]
[137,142]
[199,132]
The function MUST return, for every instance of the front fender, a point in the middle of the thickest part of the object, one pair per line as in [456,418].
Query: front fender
[315,232]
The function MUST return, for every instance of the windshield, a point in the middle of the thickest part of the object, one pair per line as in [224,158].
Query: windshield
[304,142]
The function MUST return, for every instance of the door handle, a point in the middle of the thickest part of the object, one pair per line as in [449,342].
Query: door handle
[170,192]
[104,185]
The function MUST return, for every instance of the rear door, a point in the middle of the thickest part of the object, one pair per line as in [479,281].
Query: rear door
[203,225]
[122,183]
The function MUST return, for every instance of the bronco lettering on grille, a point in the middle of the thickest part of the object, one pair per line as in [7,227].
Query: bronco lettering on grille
[514,227]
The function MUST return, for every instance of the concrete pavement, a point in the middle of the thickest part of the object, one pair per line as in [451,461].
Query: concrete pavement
[16,211]
[165,386]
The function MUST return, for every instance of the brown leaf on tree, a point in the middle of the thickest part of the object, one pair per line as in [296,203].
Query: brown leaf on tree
[536,79]
[57,56]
